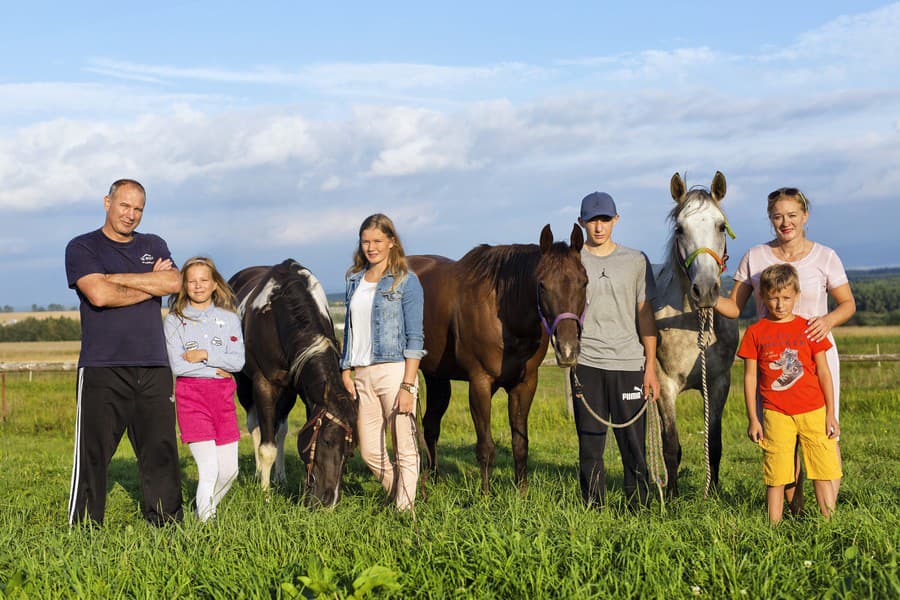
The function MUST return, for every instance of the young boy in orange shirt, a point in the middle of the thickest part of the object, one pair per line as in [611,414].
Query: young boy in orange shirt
[791,374]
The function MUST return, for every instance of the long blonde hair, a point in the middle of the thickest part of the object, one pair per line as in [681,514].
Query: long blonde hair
[396,261]
[222,296]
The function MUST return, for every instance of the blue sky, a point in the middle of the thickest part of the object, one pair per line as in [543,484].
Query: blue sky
[271,130]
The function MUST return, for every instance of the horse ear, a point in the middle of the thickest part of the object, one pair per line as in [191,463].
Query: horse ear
[546,239]
[718,186]
[576,240]
[676,187]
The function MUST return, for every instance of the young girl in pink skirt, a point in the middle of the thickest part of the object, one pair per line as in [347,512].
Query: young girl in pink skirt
[205,345]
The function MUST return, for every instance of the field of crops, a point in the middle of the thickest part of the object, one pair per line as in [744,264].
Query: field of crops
[541,543]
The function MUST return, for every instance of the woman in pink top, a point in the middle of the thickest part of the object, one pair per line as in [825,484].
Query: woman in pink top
[821,273]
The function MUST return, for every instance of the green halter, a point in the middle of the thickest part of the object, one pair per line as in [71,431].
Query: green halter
[719,260]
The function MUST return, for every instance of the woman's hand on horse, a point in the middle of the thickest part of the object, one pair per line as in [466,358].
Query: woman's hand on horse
[818,328]
[196,355]
[404,402]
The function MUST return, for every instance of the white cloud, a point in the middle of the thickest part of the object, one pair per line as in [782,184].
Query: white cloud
[253,182]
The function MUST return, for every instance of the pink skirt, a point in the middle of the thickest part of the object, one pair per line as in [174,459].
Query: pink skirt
[205,409]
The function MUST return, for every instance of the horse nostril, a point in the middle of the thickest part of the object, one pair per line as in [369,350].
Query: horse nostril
[695,291]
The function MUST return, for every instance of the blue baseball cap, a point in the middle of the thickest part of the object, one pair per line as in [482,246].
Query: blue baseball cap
[597,204]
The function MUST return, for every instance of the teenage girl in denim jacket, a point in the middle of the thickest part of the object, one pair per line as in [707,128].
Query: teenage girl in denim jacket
[383,344]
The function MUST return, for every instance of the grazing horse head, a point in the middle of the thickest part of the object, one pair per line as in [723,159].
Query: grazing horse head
[325,444]
[698,243]
[561,293]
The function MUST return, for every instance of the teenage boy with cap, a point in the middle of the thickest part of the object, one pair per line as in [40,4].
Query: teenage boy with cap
[616,368]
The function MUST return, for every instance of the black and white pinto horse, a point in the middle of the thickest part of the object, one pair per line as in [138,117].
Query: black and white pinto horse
[688,286]
[291,349]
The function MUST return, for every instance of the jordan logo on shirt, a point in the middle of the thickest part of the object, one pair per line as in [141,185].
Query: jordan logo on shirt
[603,274]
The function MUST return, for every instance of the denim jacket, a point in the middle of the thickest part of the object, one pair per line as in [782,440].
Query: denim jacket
[396,320]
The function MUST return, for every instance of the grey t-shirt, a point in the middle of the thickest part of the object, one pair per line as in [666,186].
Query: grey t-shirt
[616,284]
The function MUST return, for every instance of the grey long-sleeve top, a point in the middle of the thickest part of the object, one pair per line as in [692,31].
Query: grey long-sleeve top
[216,330]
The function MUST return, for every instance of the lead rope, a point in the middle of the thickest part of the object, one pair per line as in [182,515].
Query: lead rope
[705,315]
[656,463]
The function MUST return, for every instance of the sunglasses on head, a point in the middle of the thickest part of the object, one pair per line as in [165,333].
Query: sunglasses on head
[790,192]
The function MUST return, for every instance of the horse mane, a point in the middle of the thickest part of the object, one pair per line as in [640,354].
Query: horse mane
[306,335]
[508,269]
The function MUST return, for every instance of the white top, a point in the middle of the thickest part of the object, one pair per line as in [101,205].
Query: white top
[361,321]
[820,271]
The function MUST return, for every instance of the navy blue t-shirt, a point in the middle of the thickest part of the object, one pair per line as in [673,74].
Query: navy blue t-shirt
[127,335]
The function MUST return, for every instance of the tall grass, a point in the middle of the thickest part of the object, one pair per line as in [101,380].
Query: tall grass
[540,543]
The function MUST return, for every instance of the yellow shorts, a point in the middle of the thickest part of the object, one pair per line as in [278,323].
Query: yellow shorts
[780,438]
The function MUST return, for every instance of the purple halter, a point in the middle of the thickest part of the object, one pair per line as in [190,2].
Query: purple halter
[561,316]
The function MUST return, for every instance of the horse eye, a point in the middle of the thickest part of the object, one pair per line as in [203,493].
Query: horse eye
[679,230]
[722,228]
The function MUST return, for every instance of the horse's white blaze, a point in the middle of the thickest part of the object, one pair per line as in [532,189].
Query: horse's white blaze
[700,223]
[263,299]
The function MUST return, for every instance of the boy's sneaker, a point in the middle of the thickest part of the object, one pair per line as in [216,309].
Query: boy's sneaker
[791,370]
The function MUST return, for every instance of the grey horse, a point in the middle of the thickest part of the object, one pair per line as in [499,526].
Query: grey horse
[688,285]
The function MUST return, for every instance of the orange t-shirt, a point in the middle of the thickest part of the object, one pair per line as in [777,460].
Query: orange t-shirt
[788,382]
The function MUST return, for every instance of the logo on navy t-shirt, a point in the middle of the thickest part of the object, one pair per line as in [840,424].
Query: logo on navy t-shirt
[147,259]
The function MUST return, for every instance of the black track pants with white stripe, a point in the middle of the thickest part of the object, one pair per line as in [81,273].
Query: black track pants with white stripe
[112,400]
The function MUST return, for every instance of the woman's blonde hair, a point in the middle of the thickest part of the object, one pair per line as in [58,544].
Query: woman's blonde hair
[222,296]
[396,261]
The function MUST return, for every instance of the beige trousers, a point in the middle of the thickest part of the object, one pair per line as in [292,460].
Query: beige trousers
[377,387]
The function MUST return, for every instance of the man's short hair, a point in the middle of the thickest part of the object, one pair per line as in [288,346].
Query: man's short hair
[778,277]
[125,183]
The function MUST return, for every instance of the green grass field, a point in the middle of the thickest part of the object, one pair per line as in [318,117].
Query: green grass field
[461,544]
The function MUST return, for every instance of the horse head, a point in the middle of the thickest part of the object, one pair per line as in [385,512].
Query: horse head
[561,293]
[325,444]
[698,238]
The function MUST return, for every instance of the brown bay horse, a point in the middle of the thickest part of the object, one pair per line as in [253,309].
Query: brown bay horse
[488,320]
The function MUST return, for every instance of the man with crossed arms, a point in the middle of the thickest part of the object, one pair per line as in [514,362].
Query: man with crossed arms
[124,379]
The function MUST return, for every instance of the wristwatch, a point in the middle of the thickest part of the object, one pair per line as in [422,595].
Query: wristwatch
[410,387]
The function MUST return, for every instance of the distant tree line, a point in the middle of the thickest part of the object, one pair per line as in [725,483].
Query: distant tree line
[877,295]
[53,329]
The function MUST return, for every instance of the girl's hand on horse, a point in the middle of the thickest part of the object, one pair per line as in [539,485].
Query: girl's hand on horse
[404,402]
[755,432]
[196,355]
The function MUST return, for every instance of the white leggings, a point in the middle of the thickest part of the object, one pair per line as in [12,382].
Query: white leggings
[218,468]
